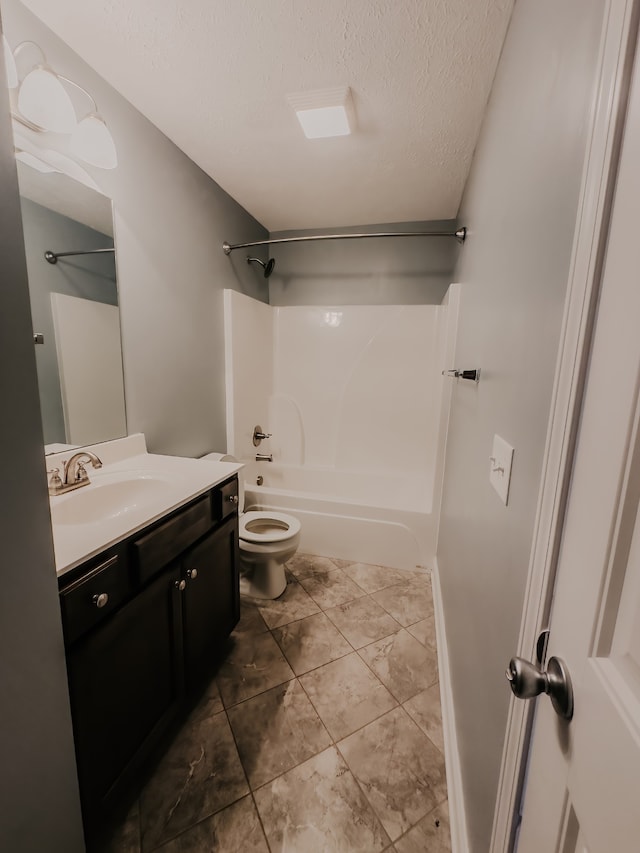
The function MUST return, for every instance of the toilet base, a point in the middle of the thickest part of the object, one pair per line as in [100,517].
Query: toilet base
[262,580]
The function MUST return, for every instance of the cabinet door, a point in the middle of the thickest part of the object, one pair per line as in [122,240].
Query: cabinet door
[126,685]
[211,599]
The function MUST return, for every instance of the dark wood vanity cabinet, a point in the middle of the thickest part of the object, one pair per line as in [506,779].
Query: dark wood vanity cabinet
[136,657]
[211,600]
[126,685]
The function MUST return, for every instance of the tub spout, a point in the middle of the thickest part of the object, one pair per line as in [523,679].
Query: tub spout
[264,457]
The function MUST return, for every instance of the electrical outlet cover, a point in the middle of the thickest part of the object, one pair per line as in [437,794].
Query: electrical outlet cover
[500,467]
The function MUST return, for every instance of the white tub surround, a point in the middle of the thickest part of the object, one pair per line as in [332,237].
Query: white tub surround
[161,485]
[353,398]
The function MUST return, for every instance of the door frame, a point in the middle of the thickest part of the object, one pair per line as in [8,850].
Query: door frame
[615,62]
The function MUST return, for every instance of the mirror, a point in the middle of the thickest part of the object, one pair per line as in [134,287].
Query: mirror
[74,305]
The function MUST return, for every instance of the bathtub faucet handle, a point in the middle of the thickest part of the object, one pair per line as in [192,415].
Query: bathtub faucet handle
[259,435]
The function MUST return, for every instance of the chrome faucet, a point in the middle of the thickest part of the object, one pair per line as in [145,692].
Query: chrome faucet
[74,473]
[264,457]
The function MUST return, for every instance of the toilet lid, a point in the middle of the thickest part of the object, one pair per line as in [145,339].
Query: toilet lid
[262,526]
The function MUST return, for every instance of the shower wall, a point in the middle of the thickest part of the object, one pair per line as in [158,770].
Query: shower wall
[353,388]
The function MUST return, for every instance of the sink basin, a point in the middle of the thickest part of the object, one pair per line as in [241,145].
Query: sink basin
[102,500]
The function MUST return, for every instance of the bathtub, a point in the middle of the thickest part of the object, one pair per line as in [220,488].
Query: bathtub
[384,518]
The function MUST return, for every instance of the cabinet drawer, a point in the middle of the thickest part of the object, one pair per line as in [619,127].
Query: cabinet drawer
[225,500]
[89,600]
[155,550]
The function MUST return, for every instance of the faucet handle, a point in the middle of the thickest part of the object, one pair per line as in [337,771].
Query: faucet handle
[55,483]
[81,473]
[259,435]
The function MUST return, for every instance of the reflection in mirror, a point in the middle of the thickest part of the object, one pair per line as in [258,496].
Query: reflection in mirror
[74,306]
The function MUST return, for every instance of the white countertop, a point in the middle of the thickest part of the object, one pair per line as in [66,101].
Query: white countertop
[182,479]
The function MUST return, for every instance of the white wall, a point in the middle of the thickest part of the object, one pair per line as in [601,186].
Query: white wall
[170,222]
[520,207]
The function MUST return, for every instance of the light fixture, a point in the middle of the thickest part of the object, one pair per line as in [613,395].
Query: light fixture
[44,104]
[333,318]
[92,142]
[9,65]
[324,112]
[43,100]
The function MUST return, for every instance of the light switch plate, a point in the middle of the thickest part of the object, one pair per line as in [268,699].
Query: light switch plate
[500,467]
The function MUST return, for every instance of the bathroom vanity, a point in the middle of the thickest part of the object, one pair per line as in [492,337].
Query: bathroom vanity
[144,620]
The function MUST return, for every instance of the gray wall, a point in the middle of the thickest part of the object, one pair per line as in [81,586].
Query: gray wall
[170,222]
[386,271]
[38,787]
[85,276]
[520,206]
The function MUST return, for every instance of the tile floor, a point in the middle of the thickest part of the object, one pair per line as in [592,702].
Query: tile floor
[320,732]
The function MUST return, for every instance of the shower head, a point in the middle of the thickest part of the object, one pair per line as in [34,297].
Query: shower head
[268,267]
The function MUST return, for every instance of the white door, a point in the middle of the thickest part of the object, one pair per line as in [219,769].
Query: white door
[583,784]
[90,366]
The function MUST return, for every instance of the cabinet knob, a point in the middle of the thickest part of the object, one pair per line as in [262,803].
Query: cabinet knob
[180,584]
[100,599]
[232,499]
[192,574]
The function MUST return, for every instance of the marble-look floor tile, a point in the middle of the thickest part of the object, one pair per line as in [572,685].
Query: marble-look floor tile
[311,642]
[346,695]
[362,621]
[251,622]
[121,837]
[209,703]
[432,834]
[236,829]
[421,576]
[341,564]
[254,664]
[408,603]
[400,770]
[199,774]
[402,664]
[302,565]
[425,709]
[424,631]
[293,604]
[331,589]
[276,731]
[318,808]
[373,578]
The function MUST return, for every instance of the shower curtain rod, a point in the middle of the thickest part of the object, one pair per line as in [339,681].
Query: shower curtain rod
[460,236]
[52,257]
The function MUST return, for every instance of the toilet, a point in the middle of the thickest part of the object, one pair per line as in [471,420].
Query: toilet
[267,540]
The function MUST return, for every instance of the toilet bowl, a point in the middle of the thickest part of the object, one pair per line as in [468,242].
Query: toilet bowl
[267,540]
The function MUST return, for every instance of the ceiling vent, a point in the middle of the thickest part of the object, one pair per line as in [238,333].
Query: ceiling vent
[325,112]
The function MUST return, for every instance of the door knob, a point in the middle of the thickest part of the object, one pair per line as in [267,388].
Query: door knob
[527,681]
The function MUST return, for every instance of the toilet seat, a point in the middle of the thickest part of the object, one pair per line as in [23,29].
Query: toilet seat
[258,526]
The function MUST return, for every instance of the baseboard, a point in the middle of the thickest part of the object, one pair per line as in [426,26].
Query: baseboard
[457,811]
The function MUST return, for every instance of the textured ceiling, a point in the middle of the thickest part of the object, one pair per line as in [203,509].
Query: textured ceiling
[213,75]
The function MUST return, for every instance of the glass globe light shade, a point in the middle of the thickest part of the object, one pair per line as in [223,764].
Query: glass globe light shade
[43,100]
[93,143]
